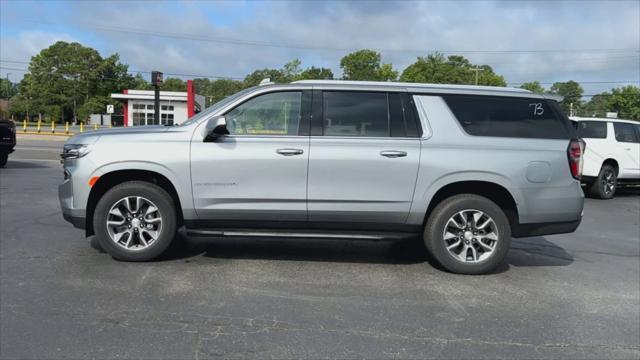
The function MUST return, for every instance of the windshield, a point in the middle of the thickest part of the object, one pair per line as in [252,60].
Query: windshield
[215,107]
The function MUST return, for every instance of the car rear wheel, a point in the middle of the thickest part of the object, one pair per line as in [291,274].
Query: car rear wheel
[3,159]
[468,234]
[135,221]
[605,185]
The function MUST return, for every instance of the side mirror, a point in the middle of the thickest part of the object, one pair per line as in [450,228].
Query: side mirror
[216,127]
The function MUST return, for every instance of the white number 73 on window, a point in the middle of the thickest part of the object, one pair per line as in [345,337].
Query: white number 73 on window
[537,109]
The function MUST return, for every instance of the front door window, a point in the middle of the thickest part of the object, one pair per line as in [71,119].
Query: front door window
[270,114]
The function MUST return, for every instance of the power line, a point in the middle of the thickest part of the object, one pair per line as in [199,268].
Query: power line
[135,72]
[244,42]
[240,78]
[580,82]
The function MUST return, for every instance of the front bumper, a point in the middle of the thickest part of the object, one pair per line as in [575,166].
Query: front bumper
[77,221]
[65,197]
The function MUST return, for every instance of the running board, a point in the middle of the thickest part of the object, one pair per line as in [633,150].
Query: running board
[372,236]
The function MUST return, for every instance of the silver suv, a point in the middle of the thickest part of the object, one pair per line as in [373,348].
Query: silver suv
[466,167]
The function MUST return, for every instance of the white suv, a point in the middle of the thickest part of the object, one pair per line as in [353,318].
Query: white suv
[612,155]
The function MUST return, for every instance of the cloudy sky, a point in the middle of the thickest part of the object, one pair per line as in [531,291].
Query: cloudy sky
[594,42]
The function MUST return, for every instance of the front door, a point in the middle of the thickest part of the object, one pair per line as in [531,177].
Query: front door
[364,158]
[259,171]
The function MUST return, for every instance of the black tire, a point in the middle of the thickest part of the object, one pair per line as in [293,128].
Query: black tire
[150,191]
[605,185]
[436,225]
[3,159]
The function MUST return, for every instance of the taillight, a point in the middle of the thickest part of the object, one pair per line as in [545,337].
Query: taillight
[575,153]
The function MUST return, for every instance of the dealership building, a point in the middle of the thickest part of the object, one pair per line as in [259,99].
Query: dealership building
[175,106]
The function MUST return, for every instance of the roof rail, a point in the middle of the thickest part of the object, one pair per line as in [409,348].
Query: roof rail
[412,85]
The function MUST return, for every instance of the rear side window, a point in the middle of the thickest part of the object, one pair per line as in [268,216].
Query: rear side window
[592,129]
[508,117]
[356,114]
[625,132]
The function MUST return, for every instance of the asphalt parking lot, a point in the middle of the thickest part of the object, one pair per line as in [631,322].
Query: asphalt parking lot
[565,296]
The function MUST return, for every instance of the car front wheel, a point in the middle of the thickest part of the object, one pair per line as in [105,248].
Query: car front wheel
[135,221]
[468,234]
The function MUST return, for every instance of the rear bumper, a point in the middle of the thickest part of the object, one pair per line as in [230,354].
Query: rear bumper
[539,229]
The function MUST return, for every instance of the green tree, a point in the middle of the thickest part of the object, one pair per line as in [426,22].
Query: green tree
[626,102]
[173,84]
[291,70]
[275,75]
[366,65]
[65,75]
[571,92]
[217,90]
[140,83]
[314,73]
[455,69]
[7,89]
[95,105]
[533,86]
[597,106]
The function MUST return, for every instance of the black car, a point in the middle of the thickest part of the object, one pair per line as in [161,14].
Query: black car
[7,140]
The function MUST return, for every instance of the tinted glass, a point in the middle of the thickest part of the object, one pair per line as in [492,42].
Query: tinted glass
[508,117]
[625,132]
[355,114]
[592,129]
[269,114]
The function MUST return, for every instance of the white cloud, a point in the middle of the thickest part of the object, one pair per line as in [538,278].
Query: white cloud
[421,26]
[22,47]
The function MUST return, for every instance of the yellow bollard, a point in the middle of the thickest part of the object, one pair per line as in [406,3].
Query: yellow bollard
[53,127]
[24,126]
[66,127]
[81,127]
[39,126]
[95,126]
[110,126]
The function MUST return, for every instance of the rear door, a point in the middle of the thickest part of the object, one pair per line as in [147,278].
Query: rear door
[628,146]
[364,157]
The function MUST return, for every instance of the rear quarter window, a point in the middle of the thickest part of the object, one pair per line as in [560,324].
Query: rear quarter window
[508,117]
[625,132]
[592,129]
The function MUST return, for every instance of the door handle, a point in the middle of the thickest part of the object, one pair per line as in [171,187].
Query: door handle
[393,153]
[289,152]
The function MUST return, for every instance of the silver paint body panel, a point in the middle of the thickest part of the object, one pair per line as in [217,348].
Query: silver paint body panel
[335,179]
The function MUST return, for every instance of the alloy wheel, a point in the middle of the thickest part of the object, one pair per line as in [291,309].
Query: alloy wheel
[134,223]
[470,236]
[608,181]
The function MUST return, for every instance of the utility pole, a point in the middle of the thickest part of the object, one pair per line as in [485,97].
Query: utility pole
[8,87]
[570,109]
[477,70]
[156,80]
[28,99]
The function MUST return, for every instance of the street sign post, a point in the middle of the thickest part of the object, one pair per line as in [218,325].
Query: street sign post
[156,80]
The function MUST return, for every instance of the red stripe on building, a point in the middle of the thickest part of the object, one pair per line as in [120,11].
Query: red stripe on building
[126,109]
[191,97]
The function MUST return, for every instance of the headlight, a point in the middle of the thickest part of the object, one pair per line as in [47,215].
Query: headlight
[75,151]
